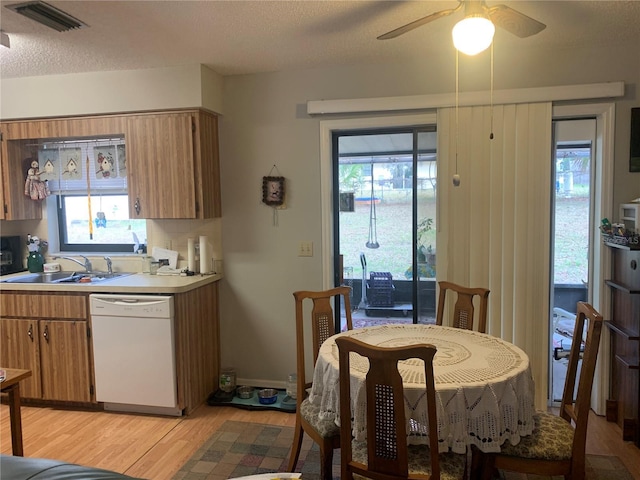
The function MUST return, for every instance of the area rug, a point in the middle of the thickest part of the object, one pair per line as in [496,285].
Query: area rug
[239,449]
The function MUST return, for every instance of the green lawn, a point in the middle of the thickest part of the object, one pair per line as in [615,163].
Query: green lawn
[394,255]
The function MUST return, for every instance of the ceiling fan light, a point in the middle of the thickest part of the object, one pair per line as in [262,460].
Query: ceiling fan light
[473,34]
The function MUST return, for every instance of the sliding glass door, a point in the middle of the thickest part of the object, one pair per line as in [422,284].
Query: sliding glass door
[384,223]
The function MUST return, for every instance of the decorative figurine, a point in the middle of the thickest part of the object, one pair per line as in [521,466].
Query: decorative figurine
[35,188]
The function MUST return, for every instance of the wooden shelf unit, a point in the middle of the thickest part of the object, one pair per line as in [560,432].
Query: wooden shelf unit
[623,405]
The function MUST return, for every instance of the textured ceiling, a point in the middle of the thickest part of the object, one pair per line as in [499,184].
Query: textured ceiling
[241,37]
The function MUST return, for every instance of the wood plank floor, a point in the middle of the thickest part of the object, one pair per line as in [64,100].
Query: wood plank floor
[156,447]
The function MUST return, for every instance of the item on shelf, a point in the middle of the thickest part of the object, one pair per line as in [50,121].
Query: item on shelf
[618,234]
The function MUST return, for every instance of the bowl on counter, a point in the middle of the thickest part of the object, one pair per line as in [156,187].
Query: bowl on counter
[267,396]
[244,391]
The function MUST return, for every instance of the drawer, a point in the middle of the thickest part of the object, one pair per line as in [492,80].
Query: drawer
[43,305]
[627,268]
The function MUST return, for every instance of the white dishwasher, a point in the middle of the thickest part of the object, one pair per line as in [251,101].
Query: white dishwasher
[134,353]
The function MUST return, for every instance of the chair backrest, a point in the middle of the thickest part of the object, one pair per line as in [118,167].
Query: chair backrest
[463,310]
[387,454]
[578,410]
[321,320]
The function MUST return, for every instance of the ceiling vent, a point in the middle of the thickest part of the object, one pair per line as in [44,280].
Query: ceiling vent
[47,15]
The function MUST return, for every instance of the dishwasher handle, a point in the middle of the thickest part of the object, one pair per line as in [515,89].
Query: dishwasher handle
[132,305]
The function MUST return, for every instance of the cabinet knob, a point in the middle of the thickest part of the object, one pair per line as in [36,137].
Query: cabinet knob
[45,334]
[30,332]
[136,206]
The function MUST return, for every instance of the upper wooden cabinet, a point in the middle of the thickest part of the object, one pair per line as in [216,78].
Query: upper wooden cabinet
[173,172]
[172,161]
[15,204]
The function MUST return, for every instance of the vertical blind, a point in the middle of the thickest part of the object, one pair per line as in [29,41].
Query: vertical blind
[497,222]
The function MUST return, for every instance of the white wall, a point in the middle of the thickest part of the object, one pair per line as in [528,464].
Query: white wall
[111,92]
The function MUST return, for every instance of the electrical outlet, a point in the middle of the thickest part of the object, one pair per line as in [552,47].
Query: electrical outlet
[305,249]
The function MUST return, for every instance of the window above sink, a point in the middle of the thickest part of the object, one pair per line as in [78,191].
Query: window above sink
[88,209]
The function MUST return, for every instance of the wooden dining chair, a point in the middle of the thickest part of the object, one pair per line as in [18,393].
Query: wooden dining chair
[320,320]
[463,310]
[557,446]
[385,454]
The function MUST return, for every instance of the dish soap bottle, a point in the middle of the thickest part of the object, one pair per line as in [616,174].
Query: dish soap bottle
[35,260]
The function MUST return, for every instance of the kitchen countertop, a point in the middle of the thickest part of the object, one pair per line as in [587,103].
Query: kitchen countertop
[130,284]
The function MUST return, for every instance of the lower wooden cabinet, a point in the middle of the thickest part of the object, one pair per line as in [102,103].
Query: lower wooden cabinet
[49,334]
[21,349]
[56,350]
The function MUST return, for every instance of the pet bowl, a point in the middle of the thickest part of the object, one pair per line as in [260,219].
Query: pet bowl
[244,392]
[267,396]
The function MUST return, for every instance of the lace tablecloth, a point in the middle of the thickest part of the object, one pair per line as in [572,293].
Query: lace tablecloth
[484,386]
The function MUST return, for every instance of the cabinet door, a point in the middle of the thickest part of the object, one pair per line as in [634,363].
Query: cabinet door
[3,206]
[20,349]
[160,157]
[64,360]
[15,157]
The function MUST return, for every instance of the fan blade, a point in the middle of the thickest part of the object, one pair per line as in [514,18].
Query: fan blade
[515,22]
[418,23]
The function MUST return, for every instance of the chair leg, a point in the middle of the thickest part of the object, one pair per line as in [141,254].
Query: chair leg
[295,448]
[476,464]
[488,466]
[326,462]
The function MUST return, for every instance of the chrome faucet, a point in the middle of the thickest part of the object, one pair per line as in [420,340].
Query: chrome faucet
[109,265]
[86,264]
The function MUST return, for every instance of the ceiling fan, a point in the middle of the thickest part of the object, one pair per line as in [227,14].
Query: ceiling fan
[502,16]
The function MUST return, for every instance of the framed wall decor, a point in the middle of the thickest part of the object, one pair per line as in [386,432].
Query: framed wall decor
[634,150]
[273,191]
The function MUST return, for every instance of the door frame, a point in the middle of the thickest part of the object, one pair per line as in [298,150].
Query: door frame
[600,257]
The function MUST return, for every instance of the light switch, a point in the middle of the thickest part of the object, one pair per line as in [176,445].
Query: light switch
[305,249]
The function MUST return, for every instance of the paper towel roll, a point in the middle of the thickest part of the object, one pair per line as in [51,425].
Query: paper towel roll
[191,254]
[205,260]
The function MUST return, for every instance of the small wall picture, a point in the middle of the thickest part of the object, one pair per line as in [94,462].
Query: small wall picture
[105,162]
[634,151]
[49,164]
[70,163]
[273,191]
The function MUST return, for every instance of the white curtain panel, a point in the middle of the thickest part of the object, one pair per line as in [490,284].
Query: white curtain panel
[493,230]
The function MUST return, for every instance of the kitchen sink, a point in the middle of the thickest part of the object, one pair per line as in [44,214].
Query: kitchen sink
[66,277]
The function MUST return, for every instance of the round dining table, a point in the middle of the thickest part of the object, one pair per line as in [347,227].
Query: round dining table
[484,387]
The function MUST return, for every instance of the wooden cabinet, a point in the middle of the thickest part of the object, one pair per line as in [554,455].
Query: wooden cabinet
[197,336]
[172,161]
[20,144]
[14,163]
[623,406]
[173,171]
[21,349]
[49,335]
